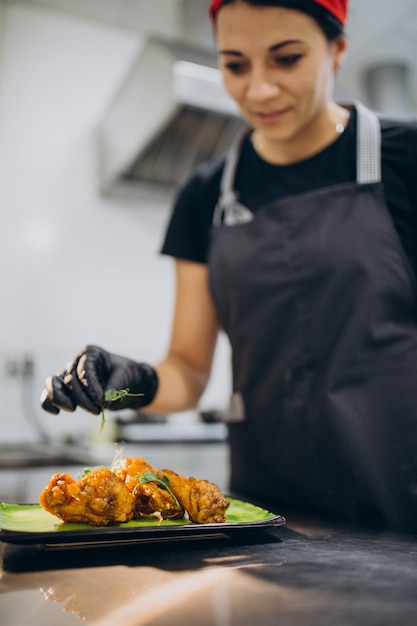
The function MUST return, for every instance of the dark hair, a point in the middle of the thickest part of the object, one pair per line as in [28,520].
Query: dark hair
[329,24]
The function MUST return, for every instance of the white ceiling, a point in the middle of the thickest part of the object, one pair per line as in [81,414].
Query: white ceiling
[380,31]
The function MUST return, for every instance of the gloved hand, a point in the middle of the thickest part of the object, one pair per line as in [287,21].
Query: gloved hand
[90,374]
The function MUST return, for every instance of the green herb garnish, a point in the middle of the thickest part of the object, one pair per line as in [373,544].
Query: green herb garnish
[111,395]
[151,477]
[88,471]
[117,394]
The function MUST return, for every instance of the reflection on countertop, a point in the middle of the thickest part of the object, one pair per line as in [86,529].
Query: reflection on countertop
[315,573]
[312,572]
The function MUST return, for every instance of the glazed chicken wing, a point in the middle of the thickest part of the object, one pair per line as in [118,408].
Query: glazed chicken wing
[150,496]
[203,500]
[100,498]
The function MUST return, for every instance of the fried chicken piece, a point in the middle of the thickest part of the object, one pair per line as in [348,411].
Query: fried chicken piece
[99,498]
[203,500]
[150,497]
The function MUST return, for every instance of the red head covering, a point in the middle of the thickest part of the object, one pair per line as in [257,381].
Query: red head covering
[338,8]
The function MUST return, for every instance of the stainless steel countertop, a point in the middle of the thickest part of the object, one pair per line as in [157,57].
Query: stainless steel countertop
[309,573]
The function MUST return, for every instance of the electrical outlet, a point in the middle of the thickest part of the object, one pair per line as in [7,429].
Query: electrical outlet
[28,366]
[11,368]
[19,367]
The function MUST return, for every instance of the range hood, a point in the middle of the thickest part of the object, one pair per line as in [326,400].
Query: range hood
[170,113]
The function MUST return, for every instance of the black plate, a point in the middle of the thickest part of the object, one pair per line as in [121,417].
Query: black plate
[31,524]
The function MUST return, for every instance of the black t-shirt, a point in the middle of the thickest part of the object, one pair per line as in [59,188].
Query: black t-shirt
[258,182]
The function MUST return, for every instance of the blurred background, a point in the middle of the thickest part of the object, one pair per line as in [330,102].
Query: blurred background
[105,106]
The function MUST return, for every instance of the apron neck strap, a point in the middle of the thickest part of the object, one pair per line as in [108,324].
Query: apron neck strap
[232,159]
[368,146]
[368,161]
[228,210]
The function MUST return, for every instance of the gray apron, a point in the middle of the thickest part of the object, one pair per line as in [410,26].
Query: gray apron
[319,303]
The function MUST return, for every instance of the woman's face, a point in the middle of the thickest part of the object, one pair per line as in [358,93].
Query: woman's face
[278,66]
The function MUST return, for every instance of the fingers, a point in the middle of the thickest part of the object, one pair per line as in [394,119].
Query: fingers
[79,391]
[56,396]
[83,380]
[71,387]
[46,404]
[92,370]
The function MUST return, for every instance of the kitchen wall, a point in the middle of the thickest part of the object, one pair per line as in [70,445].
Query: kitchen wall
[75,267]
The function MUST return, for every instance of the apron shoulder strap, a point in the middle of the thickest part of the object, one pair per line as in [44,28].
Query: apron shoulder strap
[228,210]
[368,146]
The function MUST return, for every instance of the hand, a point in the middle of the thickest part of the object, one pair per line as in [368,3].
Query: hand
[90,374]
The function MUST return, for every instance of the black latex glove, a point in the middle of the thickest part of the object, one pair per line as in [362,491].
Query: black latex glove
[85,379]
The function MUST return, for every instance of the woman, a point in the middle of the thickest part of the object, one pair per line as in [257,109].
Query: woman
[306,257]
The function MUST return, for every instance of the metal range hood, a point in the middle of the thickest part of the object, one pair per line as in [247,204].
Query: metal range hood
[170,114]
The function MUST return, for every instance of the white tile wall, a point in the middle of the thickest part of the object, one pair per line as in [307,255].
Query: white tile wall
[75,267]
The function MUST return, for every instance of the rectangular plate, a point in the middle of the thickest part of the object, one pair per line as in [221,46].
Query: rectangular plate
[31,524]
